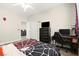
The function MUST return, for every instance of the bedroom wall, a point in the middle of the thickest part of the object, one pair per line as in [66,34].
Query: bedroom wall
[9,29]
[60,17]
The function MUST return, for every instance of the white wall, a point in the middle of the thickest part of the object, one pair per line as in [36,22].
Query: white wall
[9,29]
[60,17]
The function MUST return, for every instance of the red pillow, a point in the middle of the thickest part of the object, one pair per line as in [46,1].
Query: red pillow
[1,51]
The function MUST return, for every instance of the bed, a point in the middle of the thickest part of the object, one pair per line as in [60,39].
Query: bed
[30,47]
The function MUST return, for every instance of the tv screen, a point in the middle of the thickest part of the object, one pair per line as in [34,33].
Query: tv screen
[65,32]
[45,24]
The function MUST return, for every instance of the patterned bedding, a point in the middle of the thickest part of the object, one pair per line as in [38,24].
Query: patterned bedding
[42,49]
[25,43]
[37,48]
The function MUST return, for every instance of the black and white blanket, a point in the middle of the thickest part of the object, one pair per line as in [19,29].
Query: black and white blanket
[42,49]
[31,47]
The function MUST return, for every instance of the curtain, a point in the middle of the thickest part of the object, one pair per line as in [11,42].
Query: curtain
[77,25]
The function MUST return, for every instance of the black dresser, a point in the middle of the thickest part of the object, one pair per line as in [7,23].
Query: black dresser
[45,34]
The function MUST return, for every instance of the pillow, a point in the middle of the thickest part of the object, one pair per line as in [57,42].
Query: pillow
[1,51]
[42,49]
[11,50]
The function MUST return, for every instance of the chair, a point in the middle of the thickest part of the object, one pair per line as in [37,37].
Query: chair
[65,34]
[59,39]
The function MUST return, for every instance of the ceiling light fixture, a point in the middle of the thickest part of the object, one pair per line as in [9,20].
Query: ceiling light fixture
[23,5]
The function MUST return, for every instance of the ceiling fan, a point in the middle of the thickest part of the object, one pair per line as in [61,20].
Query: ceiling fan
[23,5]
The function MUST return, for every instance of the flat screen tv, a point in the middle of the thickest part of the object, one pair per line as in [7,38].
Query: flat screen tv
[45,24]
[65,32]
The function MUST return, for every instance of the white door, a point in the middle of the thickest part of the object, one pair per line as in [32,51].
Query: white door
[34,30]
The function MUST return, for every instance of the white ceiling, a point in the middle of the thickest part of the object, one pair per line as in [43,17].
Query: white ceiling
[36,8]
